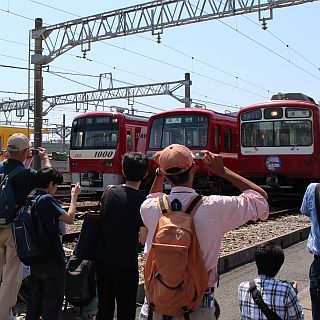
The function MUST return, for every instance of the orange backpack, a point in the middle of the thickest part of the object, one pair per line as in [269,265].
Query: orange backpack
[175,274]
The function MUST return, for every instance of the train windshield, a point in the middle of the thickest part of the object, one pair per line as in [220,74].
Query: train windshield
[191,131]
[98,132]
[276,133]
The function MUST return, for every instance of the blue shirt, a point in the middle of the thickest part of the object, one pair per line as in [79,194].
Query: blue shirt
[308,208]
[50,210]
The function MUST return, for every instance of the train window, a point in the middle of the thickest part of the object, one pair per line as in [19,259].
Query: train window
[130,141]
[88,120]
[257,134]
[273,113]
[156,133]
[188,130]
[251,115]
[76,139]
[293,133]
[94,133]
[298,113]
[276,133]
[227,139]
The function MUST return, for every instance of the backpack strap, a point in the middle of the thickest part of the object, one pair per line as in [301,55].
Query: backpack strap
[194,204]
[257,298]
[163,204]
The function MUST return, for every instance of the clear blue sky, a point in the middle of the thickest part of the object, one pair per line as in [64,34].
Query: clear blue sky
[232,61]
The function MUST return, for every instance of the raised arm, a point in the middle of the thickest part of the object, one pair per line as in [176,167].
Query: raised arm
[214,163]
[69,216]
[157,185]
[45,157]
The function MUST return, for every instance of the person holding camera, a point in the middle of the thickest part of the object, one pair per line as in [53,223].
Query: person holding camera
[18,150]
[215,216]
[47,280]
[279,296]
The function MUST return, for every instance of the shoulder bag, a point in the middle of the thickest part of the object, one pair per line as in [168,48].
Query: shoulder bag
[91,230]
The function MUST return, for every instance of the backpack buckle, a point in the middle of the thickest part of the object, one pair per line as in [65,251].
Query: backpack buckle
[186,313]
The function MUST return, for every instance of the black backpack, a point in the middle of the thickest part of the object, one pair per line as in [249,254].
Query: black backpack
[29,235]
[80,282]
[8,204]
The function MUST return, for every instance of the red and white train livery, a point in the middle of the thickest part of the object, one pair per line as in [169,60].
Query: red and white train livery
[198,129]
[279,142]
[98,142]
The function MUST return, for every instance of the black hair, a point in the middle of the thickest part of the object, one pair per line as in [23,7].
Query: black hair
[134,166]
[46,175]
[177,179]
[269,258]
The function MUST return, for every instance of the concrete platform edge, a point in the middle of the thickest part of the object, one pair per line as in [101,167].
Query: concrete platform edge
[241,257]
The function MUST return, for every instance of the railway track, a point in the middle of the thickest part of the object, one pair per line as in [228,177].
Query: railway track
[284,226]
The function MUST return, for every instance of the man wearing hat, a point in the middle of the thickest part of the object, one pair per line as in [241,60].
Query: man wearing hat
[18,150]
[214,217]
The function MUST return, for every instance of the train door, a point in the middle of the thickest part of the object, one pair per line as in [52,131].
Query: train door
[217,139]
[227,139]
[130,139]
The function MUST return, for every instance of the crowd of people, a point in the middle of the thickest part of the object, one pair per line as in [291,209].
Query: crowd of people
[181,248]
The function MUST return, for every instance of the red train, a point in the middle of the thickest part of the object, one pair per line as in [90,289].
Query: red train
[279,142]
[98,142]
[197,129]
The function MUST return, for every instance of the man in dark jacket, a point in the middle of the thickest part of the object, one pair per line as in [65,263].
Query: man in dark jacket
[117,250]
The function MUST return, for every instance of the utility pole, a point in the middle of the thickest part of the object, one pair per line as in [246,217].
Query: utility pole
[187,102]
[63,133]
[38,91]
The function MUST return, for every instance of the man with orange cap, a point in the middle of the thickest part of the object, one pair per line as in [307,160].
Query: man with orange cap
[214,217]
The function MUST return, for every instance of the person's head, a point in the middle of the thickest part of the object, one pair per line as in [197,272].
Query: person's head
[48,177]
[176,163]
[269,258]
[134,166]
[18,146]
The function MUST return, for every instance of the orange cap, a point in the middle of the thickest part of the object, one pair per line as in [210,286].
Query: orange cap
[174,156]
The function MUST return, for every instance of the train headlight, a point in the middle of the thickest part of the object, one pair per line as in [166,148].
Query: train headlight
[274,113]
[108,164]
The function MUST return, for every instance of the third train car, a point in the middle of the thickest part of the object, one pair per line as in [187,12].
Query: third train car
[279,142]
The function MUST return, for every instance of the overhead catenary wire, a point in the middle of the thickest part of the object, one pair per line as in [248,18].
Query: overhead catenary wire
[285,44]
[37,2]
[171,65]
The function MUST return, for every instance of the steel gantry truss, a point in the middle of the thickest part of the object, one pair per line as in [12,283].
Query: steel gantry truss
[152,17]
[156,89]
